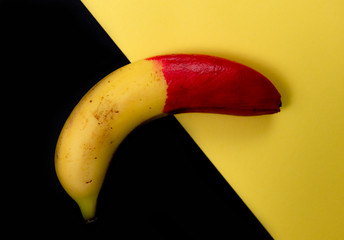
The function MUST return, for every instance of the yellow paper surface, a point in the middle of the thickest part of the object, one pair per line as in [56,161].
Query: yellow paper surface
[287,167]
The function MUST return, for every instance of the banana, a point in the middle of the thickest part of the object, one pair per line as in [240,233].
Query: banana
[142,91]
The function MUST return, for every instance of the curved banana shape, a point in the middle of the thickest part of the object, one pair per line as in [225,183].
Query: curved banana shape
[142,91]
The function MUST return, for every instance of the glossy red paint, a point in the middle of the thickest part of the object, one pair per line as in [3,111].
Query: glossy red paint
[201,83]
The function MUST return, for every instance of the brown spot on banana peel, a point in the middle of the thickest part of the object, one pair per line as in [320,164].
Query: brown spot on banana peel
[104,115]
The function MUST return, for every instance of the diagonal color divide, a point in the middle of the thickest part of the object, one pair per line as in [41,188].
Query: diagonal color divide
[287,168]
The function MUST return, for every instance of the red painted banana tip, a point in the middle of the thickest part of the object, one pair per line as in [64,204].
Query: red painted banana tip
[202,83]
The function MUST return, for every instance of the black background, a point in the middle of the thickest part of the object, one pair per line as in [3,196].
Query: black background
[160,185]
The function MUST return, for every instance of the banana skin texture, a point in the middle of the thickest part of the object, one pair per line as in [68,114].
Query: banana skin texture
[142,91]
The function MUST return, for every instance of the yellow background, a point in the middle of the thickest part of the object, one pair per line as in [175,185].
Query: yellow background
[288,167]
